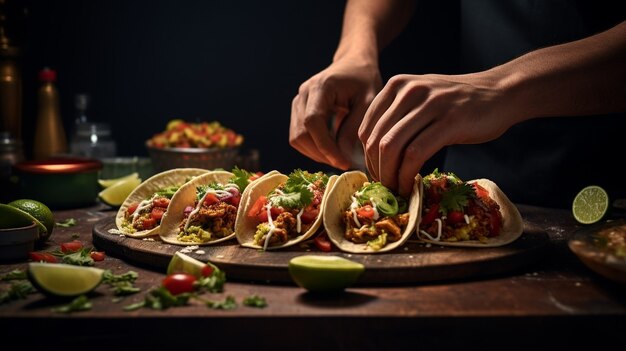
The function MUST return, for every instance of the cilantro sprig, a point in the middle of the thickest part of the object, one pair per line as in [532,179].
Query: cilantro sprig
[241,178]
[295,192]
[456,198]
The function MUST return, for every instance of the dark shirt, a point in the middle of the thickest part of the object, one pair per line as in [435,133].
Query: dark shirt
[544,161]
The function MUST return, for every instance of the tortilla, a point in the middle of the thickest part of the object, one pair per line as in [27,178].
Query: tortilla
[512,222]
[339,201]
[159,181]
[245,227]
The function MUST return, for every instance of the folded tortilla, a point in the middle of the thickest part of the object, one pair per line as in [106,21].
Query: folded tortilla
[245,227]
[174,177]
[512,222]
[339,200]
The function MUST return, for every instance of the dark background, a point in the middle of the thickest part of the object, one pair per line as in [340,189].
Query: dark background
[146,62]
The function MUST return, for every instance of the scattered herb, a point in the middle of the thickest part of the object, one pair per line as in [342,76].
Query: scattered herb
[15,274]
[18,290]
[213,283]
[81,257]
[456,198]
[70,222]
[160,299]
[122,284]
[75,236]
[255,301]
[241,178]
[228,304]
[80,303]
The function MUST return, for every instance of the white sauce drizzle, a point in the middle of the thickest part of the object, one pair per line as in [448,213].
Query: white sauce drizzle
[375,208]
[467,219]
[438,231]
[299,221]
[219,193]
[271,223]
[353,207]
[142,206]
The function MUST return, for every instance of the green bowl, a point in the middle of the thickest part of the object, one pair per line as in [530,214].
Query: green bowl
[60,183]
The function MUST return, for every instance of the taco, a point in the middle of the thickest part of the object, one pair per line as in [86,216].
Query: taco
[280,210]
[474,213]
[366,217]
[204,210]
[141,213]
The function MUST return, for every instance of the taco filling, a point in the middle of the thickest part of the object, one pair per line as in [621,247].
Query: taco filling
[147,214]
[376,216]
[212,215]
[290,209]
[454,210]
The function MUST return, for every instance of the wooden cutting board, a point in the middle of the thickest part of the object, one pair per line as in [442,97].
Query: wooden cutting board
[412,263]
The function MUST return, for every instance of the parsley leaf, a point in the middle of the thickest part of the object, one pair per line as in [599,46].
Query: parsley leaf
[81,257]
[15,274]
[160,299]
[122,284]
[255,301]
[18,290]
[241,178]
[80,303]
[456,198]
[213,283]
[70,222]
[228,304]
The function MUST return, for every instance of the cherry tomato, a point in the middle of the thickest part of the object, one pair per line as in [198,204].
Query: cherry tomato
[207,271]
[97,255]
[132,208]
[43,256]
[71,246]
[179,283]
[309,215]
[211,199]
[455,217]
[157,213]
[161,202]
[431,215]
[257,207]
[366,211]
[322,242]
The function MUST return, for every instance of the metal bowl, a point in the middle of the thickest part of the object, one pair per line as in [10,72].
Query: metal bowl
[169,158]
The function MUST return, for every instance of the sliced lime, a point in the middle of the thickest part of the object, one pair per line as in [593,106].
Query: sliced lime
[590,205]
[64,280]
[105,183]
[187,264]
[324,274]
[115,194]
[13,217]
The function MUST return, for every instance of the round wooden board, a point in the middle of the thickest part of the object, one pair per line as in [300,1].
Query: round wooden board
[413,262]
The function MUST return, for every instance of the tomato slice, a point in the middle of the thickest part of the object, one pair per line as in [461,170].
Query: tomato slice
[322,242]
[211,199]
[97,255]
[179,283]
[42,257]
[71,246]
[257,206]
[366,211]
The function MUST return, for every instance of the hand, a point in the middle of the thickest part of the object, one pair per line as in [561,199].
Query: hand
[344,90]
[414,116]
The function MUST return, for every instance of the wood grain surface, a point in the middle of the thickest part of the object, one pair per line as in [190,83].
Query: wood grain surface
[411,263]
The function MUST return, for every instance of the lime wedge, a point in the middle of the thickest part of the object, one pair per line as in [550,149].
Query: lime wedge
[590,205]
[187,264]
[324,274]
[13,217]
[64,280]
[105,183]
[115,194]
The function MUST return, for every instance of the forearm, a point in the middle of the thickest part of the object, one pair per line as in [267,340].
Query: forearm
[583,77]
[369,25]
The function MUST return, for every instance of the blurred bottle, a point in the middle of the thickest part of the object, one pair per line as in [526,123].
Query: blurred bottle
[50,136]
[10,85]
[90,139]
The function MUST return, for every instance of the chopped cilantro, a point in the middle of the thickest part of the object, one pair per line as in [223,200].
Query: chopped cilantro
[18,290]
[241,178]
[296,192]
[70,222]
[456,198]
[16,274]
[255,301]
[167,192]
[121,284]
[80,303]
[228,304]
[160,299]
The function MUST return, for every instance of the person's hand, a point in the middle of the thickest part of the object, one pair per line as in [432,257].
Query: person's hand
[415,116]
[339,96]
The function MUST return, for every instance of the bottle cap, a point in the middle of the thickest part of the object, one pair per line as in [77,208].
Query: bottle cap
[47,75]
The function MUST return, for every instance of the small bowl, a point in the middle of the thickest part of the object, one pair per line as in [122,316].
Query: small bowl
[164,159]
[16,243]
[60,183]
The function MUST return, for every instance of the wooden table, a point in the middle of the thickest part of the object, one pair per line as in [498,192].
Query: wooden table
[556,298]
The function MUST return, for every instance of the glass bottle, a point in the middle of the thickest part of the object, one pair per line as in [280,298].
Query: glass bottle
[93,140]
[50,136]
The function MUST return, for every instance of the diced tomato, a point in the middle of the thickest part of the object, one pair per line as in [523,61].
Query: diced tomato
[179,283]
[157,213]
[146,223]
[366,211]
[431,215]
[207,271]
[257,207]
[481,192]
[161,202]
[234,200]
[71,246]
[211,199]
[322,242]
[97,255]
[42,257]
[455,217]
[309,215]
[132,208]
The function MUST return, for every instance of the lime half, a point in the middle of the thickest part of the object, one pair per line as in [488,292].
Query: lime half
[187,264]
[115,194]
[590,205]
[64,280]
[324,274]
[13,217]
[105,183]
